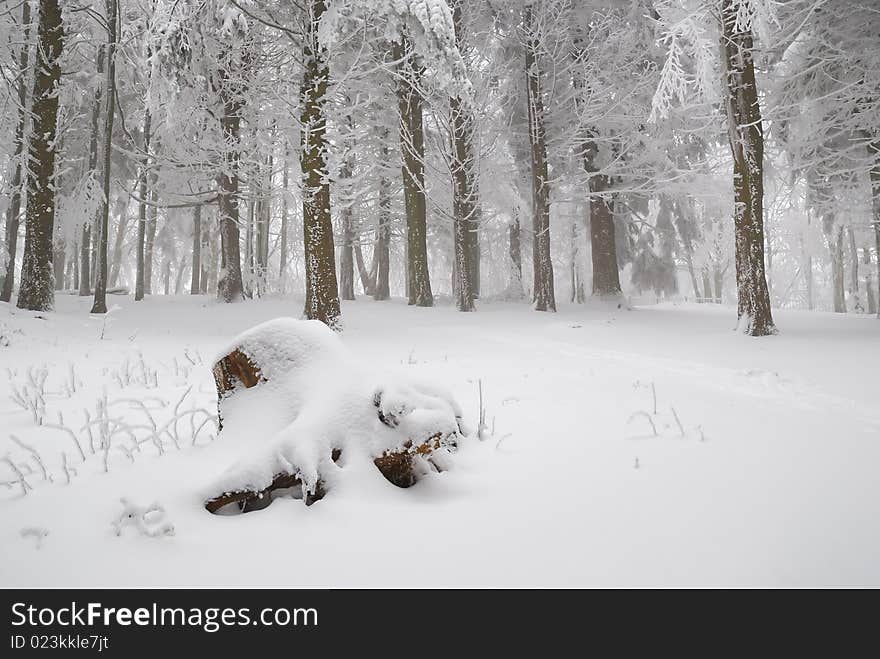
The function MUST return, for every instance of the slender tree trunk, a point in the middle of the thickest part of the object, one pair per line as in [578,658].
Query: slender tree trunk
[150,233]
[464,188]
[543,295]
[577,282]
[140,268]
[875,197]
[196,251]
[100,304]
[87,247]
[282,274]
[229,282]
[718,276]
[854,273]
[514,250]
[382,250]
[13,210]
[207,260]
[322,293]
[834,236]
[707,287]
[36,291]
[747,146]
[869,284]
[679,225]
[412,148]
[119,242]
[367,277]
[59,263]
[346,260]
[178,279]
[249,244]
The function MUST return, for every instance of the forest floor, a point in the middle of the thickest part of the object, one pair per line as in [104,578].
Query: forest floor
[764,470]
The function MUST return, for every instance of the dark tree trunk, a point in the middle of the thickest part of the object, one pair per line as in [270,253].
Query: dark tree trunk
[140,268]
[464,188]
[412,148]
[322,294]
[747,146]
[543,295]
[196,251]
[36,291]
[603,243]
[229,283]
[100,304]
[13,210]
[87,247]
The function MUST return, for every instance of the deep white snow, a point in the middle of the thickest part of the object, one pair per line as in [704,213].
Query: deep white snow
[758,466]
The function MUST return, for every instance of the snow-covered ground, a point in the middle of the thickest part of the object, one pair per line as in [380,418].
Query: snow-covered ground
[764,470]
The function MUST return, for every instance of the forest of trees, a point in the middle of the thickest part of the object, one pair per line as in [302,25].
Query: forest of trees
[714,150]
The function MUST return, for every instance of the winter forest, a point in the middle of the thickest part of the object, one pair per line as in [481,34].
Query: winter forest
[593,285]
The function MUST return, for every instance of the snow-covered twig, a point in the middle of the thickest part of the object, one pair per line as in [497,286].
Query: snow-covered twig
[677,421]
[642,413]
[21,480]
[37,458]
[68,470]
[60,426]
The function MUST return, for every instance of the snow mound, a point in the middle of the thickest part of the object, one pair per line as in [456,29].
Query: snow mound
[303,410]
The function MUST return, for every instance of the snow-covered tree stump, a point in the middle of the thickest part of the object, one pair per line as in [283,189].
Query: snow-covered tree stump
[303,409]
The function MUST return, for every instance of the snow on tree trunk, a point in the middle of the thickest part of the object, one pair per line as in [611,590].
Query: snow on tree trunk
[514,253]
[412,148]
[603,244]
[854,272]
[875,197]
[322,294]
[196,250]
[150,235]
[142,212]
[14,208]
[103,227]
[229,283]
[464,188]
[543,295]
[320,408]
[746,135]
[346,261]
[37,287]
[118,240]
[282,238]
[834,235]
[381,252]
